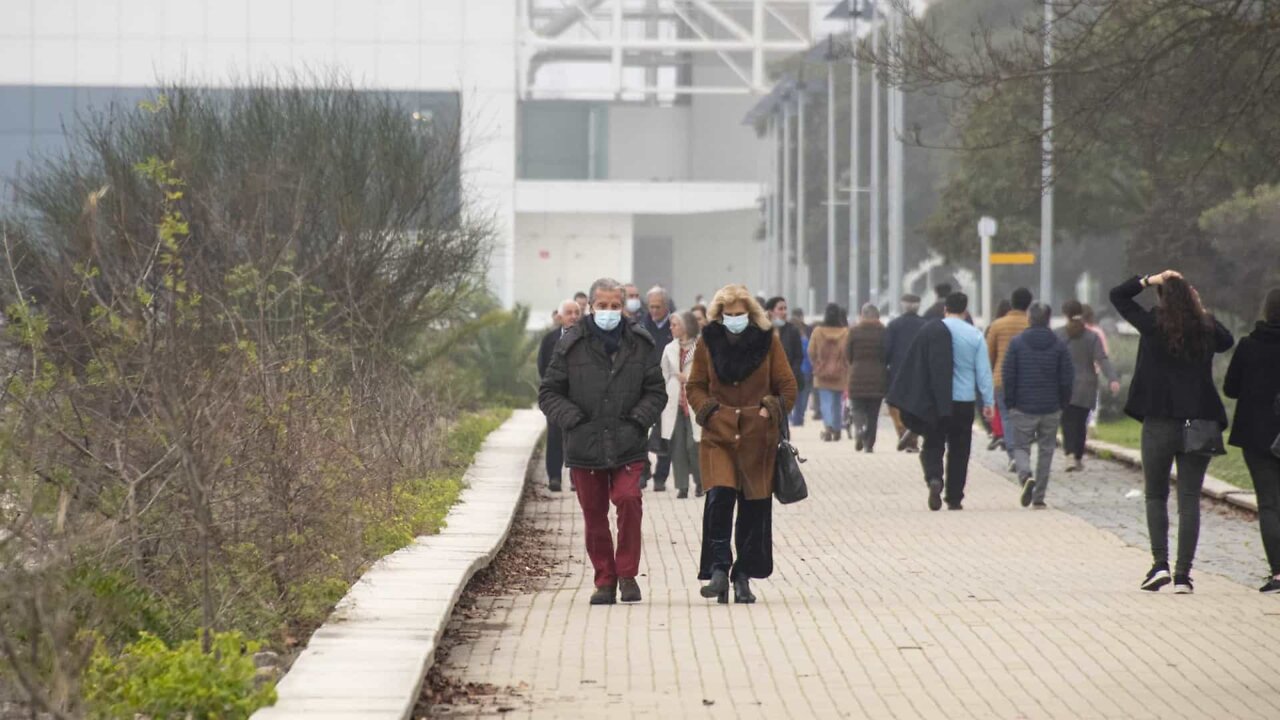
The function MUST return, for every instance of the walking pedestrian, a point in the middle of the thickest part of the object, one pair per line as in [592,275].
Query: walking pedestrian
[868,376]
[946,370]
[1088,354]
[793,343]
[1038,378]
[570,313]
[805,379]
[1253,379]
[657,321]
[938,309]
[634,307]
[830,369]
[1172,385]
[700,312]
[605,391]
[999,335]
[581,299]
[898,337]
[678,428]
[995,426]
[741,389]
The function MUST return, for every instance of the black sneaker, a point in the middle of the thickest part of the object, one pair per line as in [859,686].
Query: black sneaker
[995,443]
[954,506]
[659,486]
[1157,578]
[857,445]
[682,494]
[1272,587]
[630,590]
[1028,487]
[553,484]
[1039,506]
[935,495]
[1182,585]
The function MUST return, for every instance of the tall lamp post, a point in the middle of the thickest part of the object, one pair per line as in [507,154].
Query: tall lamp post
[767,110]
[1046,164]
[826,52]
[853,11]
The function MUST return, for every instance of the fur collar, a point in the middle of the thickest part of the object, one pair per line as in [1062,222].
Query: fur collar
[734,363]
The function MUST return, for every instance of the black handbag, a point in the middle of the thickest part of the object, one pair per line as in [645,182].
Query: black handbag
[1202,437]
[788,482]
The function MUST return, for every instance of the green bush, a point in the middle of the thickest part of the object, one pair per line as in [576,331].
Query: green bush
[149,678]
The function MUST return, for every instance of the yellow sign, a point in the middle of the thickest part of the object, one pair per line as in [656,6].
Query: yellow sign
[1013,259]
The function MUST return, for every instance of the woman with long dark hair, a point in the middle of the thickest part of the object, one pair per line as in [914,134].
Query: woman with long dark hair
[1087,355]
[1253,378]
[1172,384]
[830,368]
[740,389]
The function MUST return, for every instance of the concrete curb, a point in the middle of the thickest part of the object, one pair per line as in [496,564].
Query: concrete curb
[1213,487]
[369,659]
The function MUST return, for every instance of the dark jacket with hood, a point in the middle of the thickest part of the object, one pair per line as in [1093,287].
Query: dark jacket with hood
[1165,385]
[1037,372]
[922,385]
[1253,379]
[605,402]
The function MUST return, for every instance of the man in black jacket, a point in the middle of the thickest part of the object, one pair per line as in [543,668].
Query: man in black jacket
[788,333]
[657,321]
[604,389]
[570,313]
[898,336]
[1038,376]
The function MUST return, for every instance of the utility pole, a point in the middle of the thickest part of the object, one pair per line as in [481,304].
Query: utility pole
[785,260]
[831,182]
[897,129]
[874,254]
[800,187]
[1046,164]
[771,210]
[855,172]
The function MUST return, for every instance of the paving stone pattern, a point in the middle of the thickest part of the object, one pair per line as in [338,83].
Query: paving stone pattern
[879,608]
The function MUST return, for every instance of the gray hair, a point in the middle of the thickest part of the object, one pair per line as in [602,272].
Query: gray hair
[656,290]
[1039,315]
[605,284]
[566,303]
[870,312]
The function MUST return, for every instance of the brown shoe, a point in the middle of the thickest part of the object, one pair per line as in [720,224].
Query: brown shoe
[630,590]
[606,595]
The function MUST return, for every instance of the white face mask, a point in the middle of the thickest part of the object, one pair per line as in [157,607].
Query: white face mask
[779,322]
[736,323]
[607,319]
[633,305]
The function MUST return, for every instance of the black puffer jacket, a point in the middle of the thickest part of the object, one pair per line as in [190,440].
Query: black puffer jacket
[606,405]
[1253,378]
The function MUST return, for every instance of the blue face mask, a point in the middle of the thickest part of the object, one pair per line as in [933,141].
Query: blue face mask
[633,305]
[736,323]
[607,319]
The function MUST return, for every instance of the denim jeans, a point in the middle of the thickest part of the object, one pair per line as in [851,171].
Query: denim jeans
[1161,444]
[832,406]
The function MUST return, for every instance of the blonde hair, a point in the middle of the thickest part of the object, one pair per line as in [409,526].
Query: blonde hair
[730,294]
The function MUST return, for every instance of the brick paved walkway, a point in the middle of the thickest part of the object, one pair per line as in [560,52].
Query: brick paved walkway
[879,608]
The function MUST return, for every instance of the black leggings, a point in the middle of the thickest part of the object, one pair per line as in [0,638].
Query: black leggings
[1075,428]
[1161,448]
[753,535]
[1265,470]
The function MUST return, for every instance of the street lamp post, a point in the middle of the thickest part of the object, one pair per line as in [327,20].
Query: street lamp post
[986,230]
[785,260]
[1046,164]
[800,188]
[873,256]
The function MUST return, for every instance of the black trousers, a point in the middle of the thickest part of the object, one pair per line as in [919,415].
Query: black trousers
[1075,428]
[1161,448]
[1264,468]
[555,451]
[866,418]
[752,535]
[953,438]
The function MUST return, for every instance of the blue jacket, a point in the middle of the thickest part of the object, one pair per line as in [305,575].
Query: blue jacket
[1037,373]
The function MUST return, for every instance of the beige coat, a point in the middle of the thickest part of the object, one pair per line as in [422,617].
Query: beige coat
[670,373]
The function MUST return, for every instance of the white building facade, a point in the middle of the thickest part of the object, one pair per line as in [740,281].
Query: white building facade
[604,137]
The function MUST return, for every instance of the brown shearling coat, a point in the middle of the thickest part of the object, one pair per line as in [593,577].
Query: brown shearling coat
[739,447]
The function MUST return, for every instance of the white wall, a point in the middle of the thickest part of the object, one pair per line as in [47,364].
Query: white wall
[710,250]
[649,143]
[457,45]
[559,254]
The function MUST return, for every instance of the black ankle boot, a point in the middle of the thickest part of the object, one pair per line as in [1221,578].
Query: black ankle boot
[718,587]
[742,591]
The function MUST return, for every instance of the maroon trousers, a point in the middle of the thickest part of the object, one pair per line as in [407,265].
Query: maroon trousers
[596,489]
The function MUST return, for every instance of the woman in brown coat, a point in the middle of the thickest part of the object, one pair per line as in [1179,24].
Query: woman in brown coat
[830,369]
[868,375]
[740,387]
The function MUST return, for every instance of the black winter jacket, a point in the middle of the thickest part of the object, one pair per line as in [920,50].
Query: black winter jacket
[897,340]
[1253,378]
[793,346]
[1037,372]
[546,348]
[921,389]
[661,335]
[1164,385]
[605,405]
